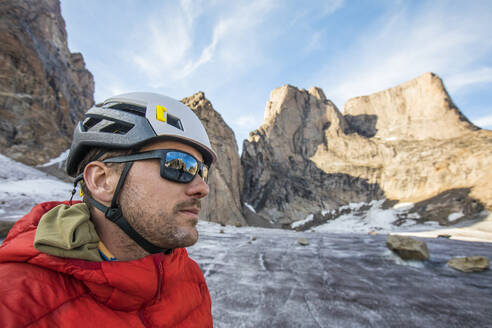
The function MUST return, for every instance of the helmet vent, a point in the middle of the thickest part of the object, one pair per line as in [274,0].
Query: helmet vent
[117,128]
[174,121]
[129,108]
[90,122]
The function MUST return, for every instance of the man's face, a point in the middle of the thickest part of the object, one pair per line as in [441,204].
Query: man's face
[162,211]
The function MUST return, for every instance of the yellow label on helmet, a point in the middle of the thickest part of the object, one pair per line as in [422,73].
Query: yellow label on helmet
[161,113]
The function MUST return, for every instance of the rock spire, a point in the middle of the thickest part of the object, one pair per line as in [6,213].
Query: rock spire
[223,204]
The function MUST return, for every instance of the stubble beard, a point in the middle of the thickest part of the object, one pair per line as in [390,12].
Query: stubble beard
[165,229]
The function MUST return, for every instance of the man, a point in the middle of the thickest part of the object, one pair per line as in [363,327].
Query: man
[116,259]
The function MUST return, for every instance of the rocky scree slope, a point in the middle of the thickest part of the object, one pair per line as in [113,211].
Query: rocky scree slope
[44,88]
[409,143]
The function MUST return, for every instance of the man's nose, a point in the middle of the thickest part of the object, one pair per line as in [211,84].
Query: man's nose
[197,188]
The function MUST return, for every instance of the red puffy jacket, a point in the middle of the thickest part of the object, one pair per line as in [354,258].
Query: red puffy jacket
[40,290]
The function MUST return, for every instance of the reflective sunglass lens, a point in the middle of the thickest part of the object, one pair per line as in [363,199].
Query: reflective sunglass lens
[182,167]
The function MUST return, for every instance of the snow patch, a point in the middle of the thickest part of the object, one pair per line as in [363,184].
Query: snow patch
[324,212]
[353,206]
[297,224]
[36,187]
[375,218]
[22,187]
[413,216]
[250,207]
[403,206]
[455,216]
[63,156]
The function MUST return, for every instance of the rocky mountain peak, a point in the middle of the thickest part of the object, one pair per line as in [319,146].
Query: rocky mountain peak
[300,116]
[198,100]
[289,102]
[409,143]
[281,180]
[416,110]
[317,92]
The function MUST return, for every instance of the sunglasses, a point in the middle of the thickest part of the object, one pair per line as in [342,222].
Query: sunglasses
[176,165]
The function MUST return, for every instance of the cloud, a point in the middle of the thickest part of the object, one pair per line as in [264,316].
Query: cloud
[164,44]
[221,36]
[407,42]
[329,7]
[248,121]
[485,121]
[314,11]
[109,82]
[465,79]
[314,43]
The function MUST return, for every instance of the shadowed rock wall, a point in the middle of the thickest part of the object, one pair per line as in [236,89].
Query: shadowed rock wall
[44,88]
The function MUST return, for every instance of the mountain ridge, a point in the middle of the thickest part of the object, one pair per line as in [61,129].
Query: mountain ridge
[408,143]
[383,160]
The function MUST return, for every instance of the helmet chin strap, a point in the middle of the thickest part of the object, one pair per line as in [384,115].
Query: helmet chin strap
[115,215]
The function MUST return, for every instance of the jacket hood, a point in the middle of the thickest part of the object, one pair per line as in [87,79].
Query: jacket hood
[120,285]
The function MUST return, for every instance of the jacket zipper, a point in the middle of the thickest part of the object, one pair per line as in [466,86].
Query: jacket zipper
[158,259]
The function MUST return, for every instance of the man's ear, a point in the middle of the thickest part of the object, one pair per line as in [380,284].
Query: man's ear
[100,182]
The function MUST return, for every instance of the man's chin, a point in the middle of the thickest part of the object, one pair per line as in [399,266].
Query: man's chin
[185,238]
[192,240]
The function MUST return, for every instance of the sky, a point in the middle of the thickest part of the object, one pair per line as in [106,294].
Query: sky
[237,52]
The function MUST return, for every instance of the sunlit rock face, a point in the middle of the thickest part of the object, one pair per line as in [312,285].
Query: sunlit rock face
[416,110]
[44,87]
[282,182]
[409,143]
[223,204]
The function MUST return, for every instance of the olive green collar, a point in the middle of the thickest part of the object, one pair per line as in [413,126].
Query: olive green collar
[67,231]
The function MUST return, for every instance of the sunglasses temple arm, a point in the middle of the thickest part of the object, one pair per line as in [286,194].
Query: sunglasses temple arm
[133,157]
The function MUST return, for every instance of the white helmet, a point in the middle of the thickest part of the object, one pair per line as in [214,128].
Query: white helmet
[130,120]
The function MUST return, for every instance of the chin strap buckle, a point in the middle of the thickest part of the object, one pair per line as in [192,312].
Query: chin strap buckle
[75,182]
[112,213]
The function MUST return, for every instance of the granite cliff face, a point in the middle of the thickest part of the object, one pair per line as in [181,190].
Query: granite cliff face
[416,110]
[409,144]
[44,88]
[281,181]
[223,204]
